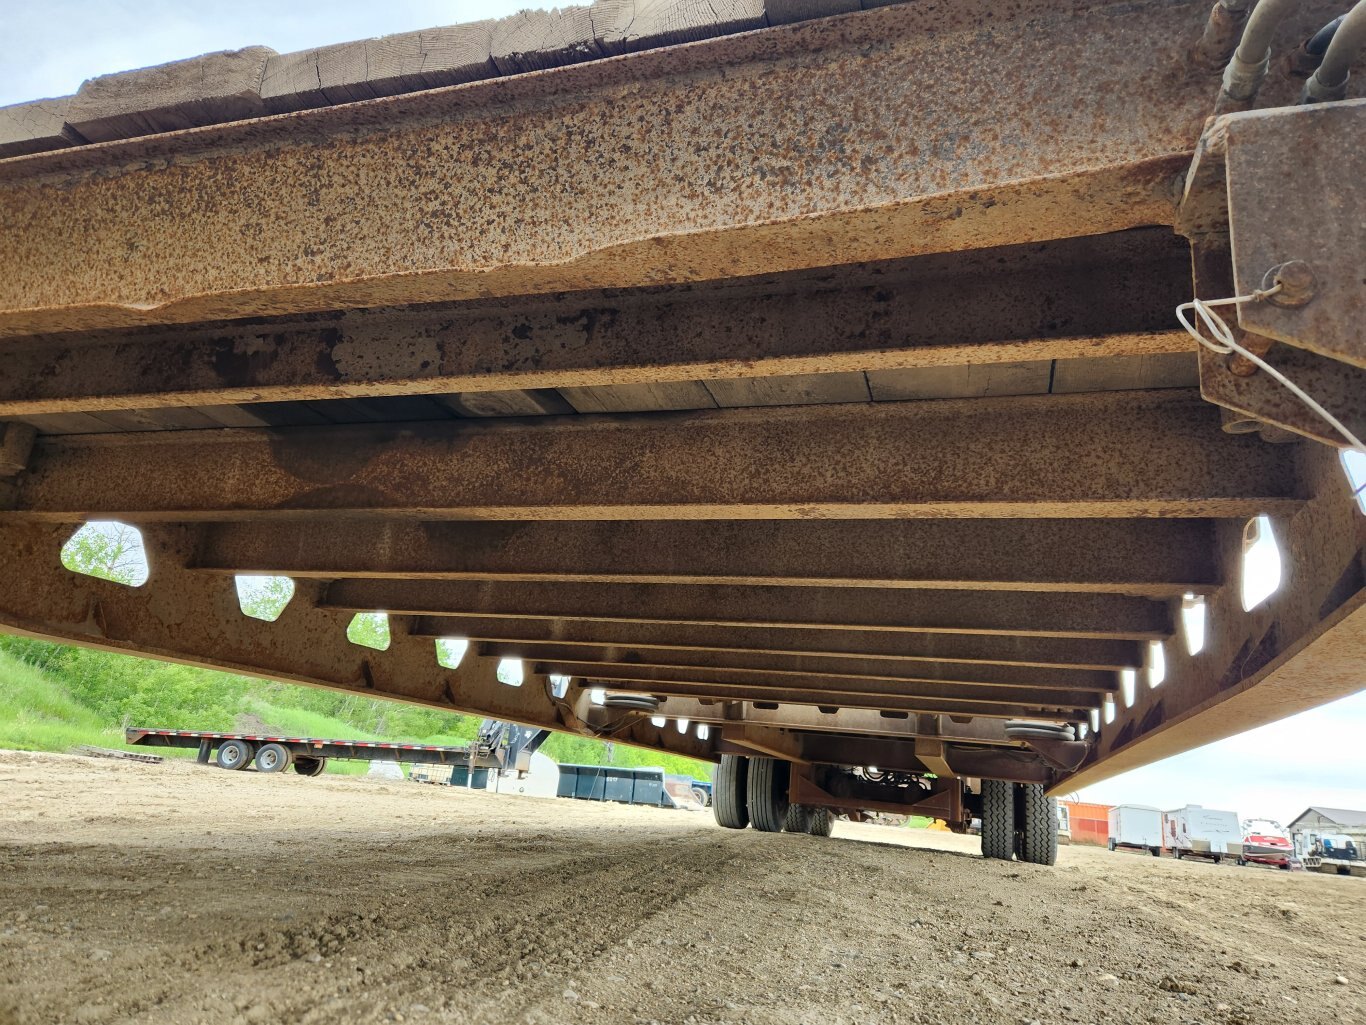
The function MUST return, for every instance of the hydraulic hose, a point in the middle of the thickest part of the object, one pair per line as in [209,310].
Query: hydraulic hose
[1329,82]
[1251,61]
[1316,44]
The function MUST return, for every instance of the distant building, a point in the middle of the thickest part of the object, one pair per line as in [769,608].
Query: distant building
[1084,822]
[1316,823]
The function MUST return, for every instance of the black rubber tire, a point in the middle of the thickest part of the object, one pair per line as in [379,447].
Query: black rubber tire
[820,821]
[1111,843]
[730,792]
[701,796]
[307,765]
[234,755]
[1039,835]
[1156,852]
[768,779]
[998,819]
[273,758]
[798,819]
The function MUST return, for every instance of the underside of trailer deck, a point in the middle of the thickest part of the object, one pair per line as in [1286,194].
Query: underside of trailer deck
[797,383]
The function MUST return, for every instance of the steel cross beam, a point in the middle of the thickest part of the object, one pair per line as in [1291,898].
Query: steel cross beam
[1063,707]
[1299,648]
[1092,455]
[498,188]
[1152,557]
[1098,296]
[528,637]
[813,669]
[1014,613]
[195,619]
[857,722]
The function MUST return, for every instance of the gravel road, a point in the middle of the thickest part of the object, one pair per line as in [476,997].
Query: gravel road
[178,893]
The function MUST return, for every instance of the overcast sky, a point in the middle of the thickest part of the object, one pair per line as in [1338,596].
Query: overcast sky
[48,48]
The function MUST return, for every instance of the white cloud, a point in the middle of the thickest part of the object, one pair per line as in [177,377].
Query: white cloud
[1276,771]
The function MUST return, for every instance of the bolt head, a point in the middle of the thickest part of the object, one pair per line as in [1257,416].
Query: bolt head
[1297,282]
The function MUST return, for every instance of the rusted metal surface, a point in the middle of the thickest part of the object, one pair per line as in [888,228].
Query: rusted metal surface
[941,800]
[1044,539]
[531,636]
[1302,647]
[1140,454]
[899,700]
[1251,398]
[792,720]
[1156,558]
[807,144]
[607,663]
[1005,613]
[1072,298]
[194,619]
[1296,183]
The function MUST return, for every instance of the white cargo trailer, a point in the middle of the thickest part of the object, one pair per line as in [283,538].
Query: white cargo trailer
[1136,826]
[1204,832]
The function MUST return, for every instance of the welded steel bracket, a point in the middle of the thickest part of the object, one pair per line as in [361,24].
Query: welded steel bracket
[1278,197]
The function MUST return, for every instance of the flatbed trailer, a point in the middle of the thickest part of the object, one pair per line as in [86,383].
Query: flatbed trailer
[308,755]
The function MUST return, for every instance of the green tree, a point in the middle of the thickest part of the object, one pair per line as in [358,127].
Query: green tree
[108,550]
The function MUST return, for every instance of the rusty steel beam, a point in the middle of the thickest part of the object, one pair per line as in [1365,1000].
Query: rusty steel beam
[497,187]
[1103,455]
[943,760]
[573,661]
[867,691]
[1014,613]
[884,705]
[1086,297]
[194,619]
[1156,558]
[853,722]
[534,635]
[1300,648]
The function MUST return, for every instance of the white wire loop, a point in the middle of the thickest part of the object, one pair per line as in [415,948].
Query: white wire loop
[1223,342]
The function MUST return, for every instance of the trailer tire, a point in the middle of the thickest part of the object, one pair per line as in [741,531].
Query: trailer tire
[307,765]
[820,821]
[767,791]
[1039,837]
[730,792]
[798,819]
[234,755]
[998,819]
[701,796]
[273,758]
[1156,852]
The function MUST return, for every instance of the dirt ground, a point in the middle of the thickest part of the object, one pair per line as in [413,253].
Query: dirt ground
[179,893]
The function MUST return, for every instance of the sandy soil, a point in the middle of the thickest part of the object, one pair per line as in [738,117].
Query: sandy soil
[177,893]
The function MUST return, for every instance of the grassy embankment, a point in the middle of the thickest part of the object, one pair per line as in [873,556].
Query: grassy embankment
[53,698]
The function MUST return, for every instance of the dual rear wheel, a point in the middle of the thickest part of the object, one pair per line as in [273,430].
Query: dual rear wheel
[753,791]
[1019,821]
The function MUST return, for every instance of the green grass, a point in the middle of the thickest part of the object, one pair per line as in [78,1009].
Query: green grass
[37,713]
